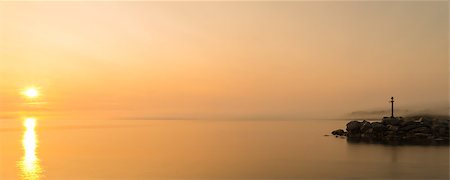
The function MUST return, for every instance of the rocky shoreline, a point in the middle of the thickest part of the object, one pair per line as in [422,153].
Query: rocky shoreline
[417,130]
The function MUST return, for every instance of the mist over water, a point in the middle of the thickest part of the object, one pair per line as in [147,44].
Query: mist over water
[441,111]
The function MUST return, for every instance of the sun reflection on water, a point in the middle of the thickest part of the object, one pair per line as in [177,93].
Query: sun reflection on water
[29,165]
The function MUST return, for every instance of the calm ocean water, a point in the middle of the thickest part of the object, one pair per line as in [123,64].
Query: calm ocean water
[200,149]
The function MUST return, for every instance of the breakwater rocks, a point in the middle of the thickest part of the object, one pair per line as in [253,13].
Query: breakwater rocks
[419,130]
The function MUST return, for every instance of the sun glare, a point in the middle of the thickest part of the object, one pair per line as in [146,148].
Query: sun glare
[31,92]
[30,166]
[30,123]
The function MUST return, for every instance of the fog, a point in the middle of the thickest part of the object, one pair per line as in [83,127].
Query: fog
[224,60]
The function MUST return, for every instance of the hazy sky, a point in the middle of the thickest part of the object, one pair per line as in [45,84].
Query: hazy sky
[223,60]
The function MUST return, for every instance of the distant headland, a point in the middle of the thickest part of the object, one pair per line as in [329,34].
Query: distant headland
[413,130]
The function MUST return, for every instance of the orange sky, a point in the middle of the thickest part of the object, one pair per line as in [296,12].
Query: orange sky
[218,60]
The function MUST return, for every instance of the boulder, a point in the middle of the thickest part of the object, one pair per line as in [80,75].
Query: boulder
[424,130]
[407,123]
[443,132]
[443,123]
[426,121]
[409,126]
[339,132]
[368,137]
[365,126]
[392,128]
[391,121]
[353,127]
[378,127]
[442,141]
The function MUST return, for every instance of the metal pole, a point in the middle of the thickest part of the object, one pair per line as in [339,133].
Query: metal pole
[392,107]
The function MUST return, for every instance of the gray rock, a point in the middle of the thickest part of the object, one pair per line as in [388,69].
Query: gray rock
[425,130]
[442,131]
[421,135]
[354,136]
[407,123]
[391,121]
[410,126]
[426,122]
[353,127]
[366,125]
[378,127]
[339,132]
[392,128]
[418,138]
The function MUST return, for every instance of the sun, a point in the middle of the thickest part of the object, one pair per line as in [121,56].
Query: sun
[31,92]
